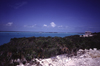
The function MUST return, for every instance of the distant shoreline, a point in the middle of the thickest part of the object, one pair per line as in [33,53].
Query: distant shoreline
[43,32]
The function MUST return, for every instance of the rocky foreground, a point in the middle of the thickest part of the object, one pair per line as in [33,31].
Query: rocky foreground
[85,57]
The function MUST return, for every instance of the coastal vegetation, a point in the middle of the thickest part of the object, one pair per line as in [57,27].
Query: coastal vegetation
[44,47]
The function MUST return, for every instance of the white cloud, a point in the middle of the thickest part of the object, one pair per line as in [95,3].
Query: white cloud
[45,25]
[9,24]
[29,26]
[53,24]
[60,26]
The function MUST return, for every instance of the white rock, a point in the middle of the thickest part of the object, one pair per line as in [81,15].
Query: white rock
[90,49]
[20,64]
[18,60]
[95,49]
[81,50]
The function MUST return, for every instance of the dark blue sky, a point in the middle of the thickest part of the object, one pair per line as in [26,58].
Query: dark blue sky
[50,15]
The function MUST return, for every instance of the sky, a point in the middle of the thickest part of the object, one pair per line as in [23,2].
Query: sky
[50,15]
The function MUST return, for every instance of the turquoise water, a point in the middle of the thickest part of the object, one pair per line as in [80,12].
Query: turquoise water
[6,36]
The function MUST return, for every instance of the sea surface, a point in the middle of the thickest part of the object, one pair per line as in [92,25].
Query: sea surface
[6,36]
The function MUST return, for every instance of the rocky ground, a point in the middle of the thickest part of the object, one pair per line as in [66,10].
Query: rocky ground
[85,57]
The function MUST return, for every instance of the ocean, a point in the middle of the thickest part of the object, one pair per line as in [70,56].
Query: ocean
[6,36]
